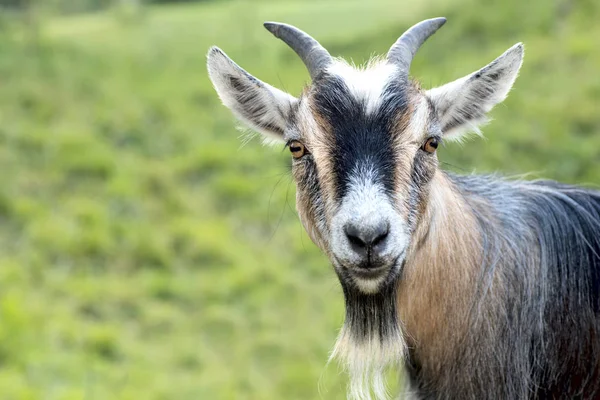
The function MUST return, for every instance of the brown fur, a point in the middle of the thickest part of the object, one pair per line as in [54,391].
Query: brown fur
[318,140]
[406,153]
[439,277]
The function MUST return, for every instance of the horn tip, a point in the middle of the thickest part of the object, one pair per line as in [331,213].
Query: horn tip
[272,27]
[439,21]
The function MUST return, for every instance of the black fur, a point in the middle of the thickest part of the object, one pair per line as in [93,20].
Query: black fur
[361,141]
[371,315]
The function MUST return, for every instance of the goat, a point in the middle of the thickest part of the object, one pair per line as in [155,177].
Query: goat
[477,286]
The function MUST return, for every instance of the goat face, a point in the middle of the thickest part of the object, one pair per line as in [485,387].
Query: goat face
[363,143]
[368,140]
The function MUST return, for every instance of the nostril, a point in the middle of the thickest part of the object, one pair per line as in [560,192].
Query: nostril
[380,236]
[354,236]
[367,237]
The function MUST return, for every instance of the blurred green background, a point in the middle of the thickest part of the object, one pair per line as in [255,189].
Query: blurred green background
[145,254]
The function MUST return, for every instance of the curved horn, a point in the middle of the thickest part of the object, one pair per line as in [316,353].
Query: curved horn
[403,51]
[314,56]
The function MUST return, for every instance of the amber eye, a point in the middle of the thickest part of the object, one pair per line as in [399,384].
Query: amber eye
[430,145]
[297,149]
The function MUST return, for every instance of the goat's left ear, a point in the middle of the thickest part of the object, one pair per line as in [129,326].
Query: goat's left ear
[463,104]
[257,104]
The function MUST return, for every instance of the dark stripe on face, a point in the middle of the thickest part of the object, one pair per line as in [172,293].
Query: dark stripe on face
[423,169]
[310,200]
[360,141]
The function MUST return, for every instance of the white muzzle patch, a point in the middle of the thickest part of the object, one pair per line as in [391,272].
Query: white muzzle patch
[366,204]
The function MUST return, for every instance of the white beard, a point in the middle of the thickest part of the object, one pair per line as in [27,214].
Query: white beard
[367,360]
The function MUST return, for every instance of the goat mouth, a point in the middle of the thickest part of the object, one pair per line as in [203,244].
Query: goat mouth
[373,273]
[369,273]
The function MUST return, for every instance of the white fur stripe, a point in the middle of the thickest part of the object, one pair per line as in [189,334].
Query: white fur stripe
[366,84]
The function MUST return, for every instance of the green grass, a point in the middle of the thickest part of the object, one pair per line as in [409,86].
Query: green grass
[144,254]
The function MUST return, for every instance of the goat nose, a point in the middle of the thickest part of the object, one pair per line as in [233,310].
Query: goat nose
[367,239]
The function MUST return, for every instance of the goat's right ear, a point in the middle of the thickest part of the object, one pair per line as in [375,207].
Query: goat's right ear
[257,104]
